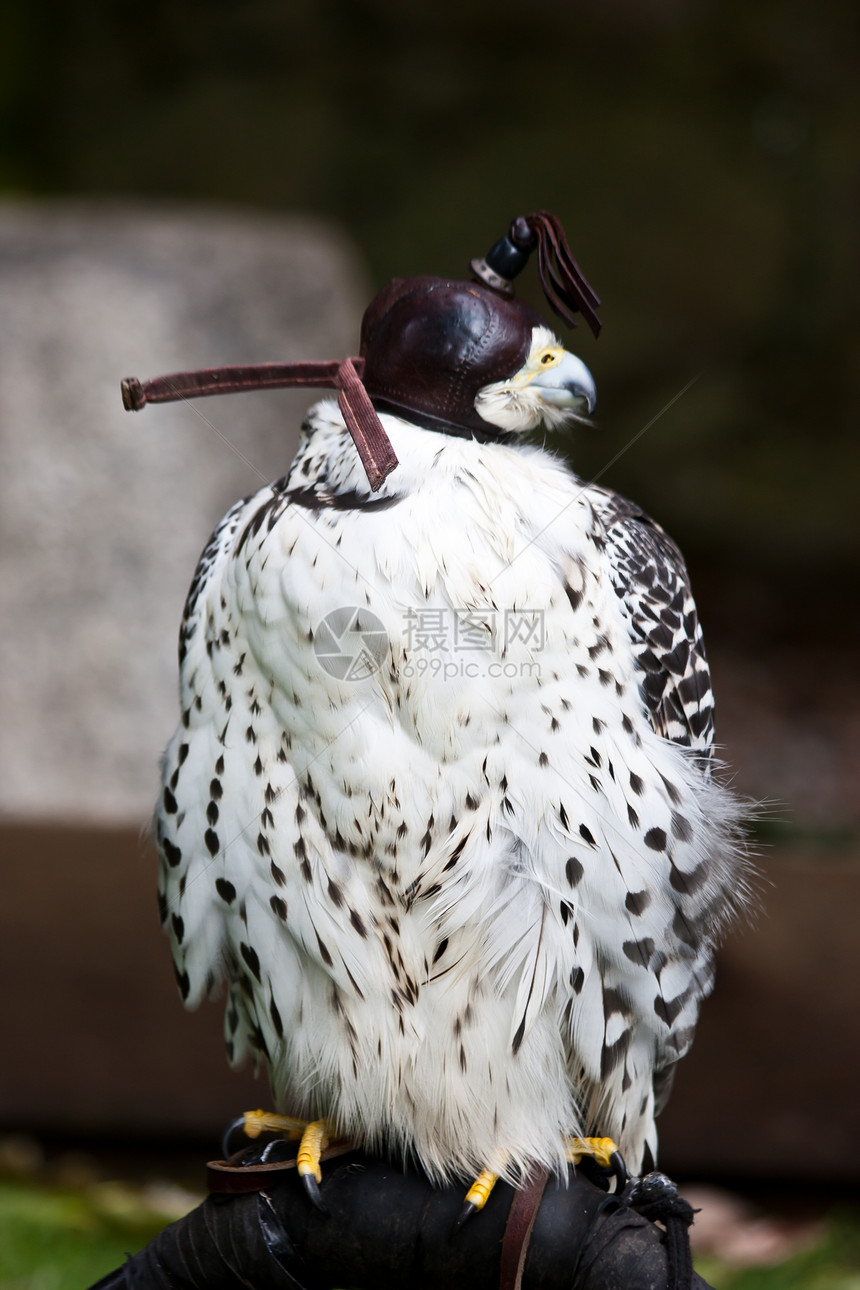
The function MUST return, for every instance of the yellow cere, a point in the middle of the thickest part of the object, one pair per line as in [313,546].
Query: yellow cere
[541,362]
[548,357]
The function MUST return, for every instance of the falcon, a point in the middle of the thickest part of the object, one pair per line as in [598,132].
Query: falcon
[440,812]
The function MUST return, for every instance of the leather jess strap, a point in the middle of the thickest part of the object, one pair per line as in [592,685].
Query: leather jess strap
[371,441]
[235,1178]
[518,1230]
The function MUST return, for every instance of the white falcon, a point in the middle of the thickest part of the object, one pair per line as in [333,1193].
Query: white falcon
[439,812]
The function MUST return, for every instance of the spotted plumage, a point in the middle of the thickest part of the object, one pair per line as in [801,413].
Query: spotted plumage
[464,896]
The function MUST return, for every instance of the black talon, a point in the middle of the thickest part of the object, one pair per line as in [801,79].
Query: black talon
[238,1123]
[465,1214]
[312,1188]
[622,1177]
[603,1175]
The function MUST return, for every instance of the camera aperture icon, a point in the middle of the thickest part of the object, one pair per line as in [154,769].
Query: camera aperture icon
[351,643]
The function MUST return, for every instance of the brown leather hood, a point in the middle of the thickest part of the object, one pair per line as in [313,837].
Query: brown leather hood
[430,344]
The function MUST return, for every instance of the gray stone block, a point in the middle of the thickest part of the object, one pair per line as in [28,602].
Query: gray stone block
[103,513]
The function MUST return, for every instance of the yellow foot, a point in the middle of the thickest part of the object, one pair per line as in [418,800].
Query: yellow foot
[477,1196]
[315,1139]
[600,1149]
[257,1122]
[603,1152]
[253,1123]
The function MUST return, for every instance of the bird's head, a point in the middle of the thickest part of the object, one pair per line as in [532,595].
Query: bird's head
[468,358]
[460,358]
[552,389]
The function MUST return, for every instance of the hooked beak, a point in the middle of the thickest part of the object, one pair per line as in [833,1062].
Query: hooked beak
[568,385]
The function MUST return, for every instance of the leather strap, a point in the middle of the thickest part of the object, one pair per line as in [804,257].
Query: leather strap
[374,447]
[371,441]
[518,1230]
[229,380]
[225,1176]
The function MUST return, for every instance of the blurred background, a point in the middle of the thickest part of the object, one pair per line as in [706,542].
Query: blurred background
[185,184]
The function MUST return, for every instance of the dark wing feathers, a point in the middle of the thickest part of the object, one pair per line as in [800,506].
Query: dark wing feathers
[650,578]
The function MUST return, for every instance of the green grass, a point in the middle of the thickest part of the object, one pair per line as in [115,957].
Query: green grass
[56,1239]
[832,1264]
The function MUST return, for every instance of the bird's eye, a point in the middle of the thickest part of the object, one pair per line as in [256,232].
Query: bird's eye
[548,358]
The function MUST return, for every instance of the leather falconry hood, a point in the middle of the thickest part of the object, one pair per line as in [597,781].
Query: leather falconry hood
[428,345]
